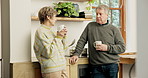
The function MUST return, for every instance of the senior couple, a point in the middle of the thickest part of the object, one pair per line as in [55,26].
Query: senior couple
[49,45]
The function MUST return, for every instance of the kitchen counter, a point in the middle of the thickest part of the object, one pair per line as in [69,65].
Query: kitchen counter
[125,58]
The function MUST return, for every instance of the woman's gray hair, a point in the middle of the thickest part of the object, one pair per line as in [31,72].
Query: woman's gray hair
[104,7]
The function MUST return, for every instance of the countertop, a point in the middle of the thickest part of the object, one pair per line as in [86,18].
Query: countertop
[125,58]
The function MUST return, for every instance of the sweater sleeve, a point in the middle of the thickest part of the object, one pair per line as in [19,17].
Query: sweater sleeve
[46,45]
[119,46]
[81,42]
[64,42]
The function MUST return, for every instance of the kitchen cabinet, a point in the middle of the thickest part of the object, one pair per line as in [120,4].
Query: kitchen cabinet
[22,70]
[73,69]
[37,70]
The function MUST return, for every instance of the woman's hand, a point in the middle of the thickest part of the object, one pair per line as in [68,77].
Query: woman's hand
[62,33]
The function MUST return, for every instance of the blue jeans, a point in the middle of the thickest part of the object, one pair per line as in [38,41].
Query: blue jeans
[105,71]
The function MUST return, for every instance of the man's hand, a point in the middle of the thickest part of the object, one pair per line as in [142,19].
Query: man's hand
[73,59]
[101,47]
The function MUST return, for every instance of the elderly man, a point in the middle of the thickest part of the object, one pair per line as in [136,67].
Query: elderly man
[104,44]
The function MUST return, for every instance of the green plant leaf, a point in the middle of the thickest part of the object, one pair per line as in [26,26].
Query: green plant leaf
[65,14]
[88,8]
[59,11]
[67,7]
[64,9]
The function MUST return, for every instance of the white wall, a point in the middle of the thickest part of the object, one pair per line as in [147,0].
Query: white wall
[131,23]
[20,30]
[131,34]
[142,38]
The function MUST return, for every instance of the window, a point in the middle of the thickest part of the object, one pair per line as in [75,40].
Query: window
[116,15]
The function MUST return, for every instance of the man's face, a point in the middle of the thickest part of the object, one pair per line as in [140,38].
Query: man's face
[101,16]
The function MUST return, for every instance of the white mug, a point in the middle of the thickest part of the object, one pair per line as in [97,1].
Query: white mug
[61,27]
[97,43]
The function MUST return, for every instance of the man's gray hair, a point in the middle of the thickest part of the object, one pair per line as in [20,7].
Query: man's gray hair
[104,7]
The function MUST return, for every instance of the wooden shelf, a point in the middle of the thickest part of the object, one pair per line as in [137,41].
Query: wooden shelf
[78,0]
[34,18]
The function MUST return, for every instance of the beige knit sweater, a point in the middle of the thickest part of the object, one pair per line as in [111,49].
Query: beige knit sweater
[49,49]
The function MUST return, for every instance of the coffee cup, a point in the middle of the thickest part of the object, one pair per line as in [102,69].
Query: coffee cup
[97,43]
[60,27]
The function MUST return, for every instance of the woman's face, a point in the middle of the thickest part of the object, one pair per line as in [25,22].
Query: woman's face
[53,20]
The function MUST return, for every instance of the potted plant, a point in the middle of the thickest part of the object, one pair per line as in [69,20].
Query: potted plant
[90,2]
[66,9]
